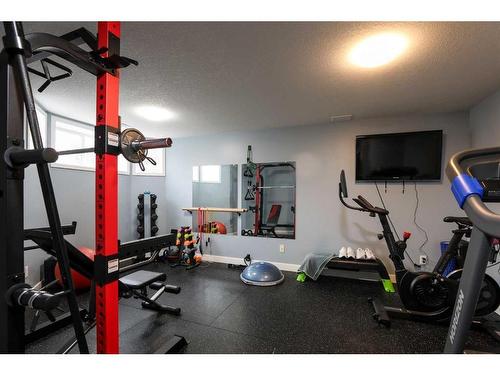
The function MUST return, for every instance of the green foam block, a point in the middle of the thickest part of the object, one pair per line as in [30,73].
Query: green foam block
[388,286]
[301,277]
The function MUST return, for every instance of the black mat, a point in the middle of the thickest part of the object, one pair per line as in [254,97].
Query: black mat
[222,315]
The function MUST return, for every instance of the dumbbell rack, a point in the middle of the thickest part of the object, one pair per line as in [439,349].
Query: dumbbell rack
[144,206]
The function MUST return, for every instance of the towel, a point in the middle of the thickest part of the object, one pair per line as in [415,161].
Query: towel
[314,263]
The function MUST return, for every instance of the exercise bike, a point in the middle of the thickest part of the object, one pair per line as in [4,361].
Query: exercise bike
[426,296]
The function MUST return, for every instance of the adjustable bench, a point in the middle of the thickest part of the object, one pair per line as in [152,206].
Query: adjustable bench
[136,285]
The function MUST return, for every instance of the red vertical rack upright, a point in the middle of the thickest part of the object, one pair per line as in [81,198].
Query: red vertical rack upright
[258,198]
[106,190]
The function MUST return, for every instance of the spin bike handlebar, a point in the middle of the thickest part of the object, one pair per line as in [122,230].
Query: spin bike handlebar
[361,201]
[468,191]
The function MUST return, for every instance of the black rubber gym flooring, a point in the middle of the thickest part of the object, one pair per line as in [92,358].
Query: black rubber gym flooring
[222,315]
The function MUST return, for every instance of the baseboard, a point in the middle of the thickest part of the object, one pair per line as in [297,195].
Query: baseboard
[231,260]
[282,266]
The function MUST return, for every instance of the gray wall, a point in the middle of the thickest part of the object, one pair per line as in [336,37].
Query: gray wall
[138,185]
[484,119]
[320,153]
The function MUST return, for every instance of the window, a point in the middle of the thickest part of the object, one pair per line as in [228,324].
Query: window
[158,155]
[123,165]
[196,174]
[210,174]
[69,135]
[42,122]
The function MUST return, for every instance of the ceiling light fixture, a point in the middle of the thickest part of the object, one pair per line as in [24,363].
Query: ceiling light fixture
[378,50]
[154,113]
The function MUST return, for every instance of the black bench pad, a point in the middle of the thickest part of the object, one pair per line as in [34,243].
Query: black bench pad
[141,279]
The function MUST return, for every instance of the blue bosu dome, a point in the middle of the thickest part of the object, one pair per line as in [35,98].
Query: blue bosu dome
[262,274]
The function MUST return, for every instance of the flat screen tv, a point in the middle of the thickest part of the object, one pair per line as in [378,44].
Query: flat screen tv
[412,156]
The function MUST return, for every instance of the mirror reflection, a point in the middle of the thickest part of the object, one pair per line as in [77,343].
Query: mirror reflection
[268,192]
[215,199]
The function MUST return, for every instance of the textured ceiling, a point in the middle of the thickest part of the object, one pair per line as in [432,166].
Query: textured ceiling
[239,76]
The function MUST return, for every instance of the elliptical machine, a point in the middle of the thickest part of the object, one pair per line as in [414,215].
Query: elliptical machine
[426,296]
[471,196]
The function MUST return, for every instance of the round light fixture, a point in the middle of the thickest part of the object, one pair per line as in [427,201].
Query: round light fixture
[378,50]
[154,113]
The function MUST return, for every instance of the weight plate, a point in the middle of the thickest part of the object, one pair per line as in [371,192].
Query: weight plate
[127,137]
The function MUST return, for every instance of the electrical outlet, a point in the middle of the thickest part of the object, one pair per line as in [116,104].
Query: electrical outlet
[282,248]
[423,260]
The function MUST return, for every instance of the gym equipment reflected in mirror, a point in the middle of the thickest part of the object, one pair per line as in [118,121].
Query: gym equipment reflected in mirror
[215,199]
[268,192]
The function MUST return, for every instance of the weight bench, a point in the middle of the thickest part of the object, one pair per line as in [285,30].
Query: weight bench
[270,225]
[136,285]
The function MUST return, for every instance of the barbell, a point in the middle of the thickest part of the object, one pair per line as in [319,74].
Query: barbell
[133,146]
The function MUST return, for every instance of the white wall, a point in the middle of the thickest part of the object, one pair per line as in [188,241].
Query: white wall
[320,153]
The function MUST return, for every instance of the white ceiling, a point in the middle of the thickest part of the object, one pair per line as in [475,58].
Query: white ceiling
[238,76]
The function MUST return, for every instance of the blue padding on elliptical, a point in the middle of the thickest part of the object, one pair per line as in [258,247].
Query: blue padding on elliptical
[464,185]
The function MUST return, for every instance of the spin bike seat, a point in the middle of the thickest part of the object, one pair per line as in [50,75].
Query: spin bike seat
[458,220]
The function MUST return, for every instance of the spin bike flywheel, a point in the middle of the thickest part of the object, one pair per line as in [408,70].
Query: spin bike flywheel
[431,291]
[489,296]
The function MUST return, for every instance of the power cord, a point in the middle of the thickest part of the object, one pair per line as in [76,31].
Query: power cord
[393,227]
[416,224]
[385,208]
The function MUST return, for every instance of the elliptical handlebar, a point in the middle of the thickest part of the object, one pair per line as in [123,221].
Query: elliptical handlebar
[469,192]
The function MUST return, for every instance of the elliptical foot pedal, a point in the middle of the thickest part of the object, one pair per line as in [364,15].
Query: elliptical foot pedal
[172,346]
[380,315]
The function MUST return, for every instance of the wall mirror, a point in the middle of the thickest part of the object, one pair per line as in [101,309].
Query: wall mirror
[215,199]
[268,193]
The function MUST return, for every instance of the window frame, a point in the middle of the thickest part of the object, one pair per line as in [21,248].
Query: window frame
[136,170]
[51,139]
[28,142]
[197,169]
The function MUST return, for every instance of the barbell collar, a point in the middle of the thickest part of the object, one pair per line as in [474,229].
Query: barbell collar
[149,144]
